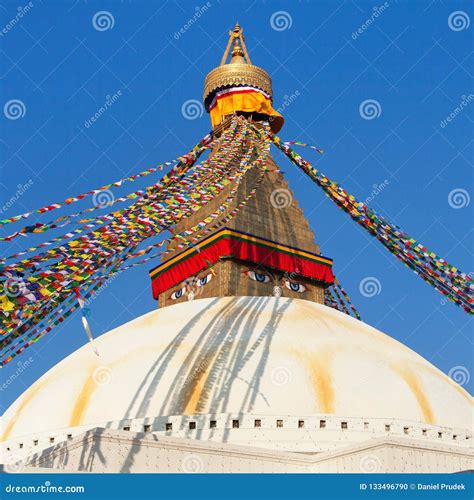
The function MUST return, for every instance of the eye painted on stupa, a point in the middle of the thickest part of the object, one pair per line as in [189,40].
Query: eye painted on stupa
[204,280]
[256,276]
[178,293]
[295,287]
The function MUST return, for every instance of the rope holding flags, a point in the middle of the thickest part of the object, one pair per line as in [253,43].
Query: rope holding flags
[43,285]
[201,146]
[457,286]
[340,300]
[85,312]
[71,267]
[298,143]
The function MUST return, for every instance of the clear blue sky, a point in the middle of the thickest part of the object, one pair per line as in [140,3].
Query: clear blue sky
[409,60]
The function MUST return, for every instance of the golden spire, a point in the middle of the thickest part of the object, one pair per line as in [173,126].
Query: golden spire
[239,71]
[239,53]
[238,86]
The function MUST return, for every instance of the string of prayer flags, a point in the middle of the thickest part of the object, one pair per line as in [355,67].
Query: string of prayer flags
[457,286]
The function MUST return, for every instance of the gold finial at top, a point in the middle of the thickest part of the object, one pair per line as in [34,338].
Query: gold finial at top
[238,55]
[238,71]
[239,50]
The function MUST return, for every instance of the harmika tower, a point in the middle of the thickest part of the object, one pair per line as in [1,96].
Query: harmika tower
[267,248]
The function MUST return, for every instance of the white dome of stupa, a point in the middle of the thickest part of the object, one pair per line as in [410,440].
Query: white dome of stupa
[240,356]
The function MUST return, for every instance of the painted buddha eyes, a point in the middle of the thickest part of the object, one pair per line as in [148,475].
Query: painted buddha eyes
[205,280]
[260,277]
[295,287]
[265,278]
[189,285]
[178,294]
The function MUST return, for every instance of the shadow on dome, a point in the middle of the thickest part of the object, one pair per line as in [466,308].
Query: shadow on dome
[211,364]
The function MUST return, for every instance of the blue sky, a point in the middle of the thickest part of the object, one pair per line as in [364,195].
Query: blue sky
[415,60]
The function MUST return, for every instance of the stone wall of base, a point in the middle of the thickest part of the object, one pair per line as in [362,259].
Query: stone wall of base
[101,450]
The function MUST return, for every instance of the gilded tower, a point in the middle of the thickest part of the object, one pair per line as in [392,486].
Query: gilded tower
[268,247]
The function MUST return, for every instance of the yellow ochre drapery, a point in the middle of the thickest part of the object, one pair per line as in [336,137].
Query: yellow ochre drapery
[246,99]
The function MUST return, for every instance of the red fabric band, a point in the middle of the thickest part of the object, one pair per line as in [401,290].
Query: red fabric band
[228,246]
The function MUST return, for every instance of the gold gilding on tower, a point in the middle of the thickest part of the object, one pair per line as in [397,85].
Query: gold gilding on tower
[239,75]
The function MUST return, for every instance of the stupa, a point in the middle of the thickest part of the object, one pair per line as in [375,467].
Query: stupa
[242,368]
